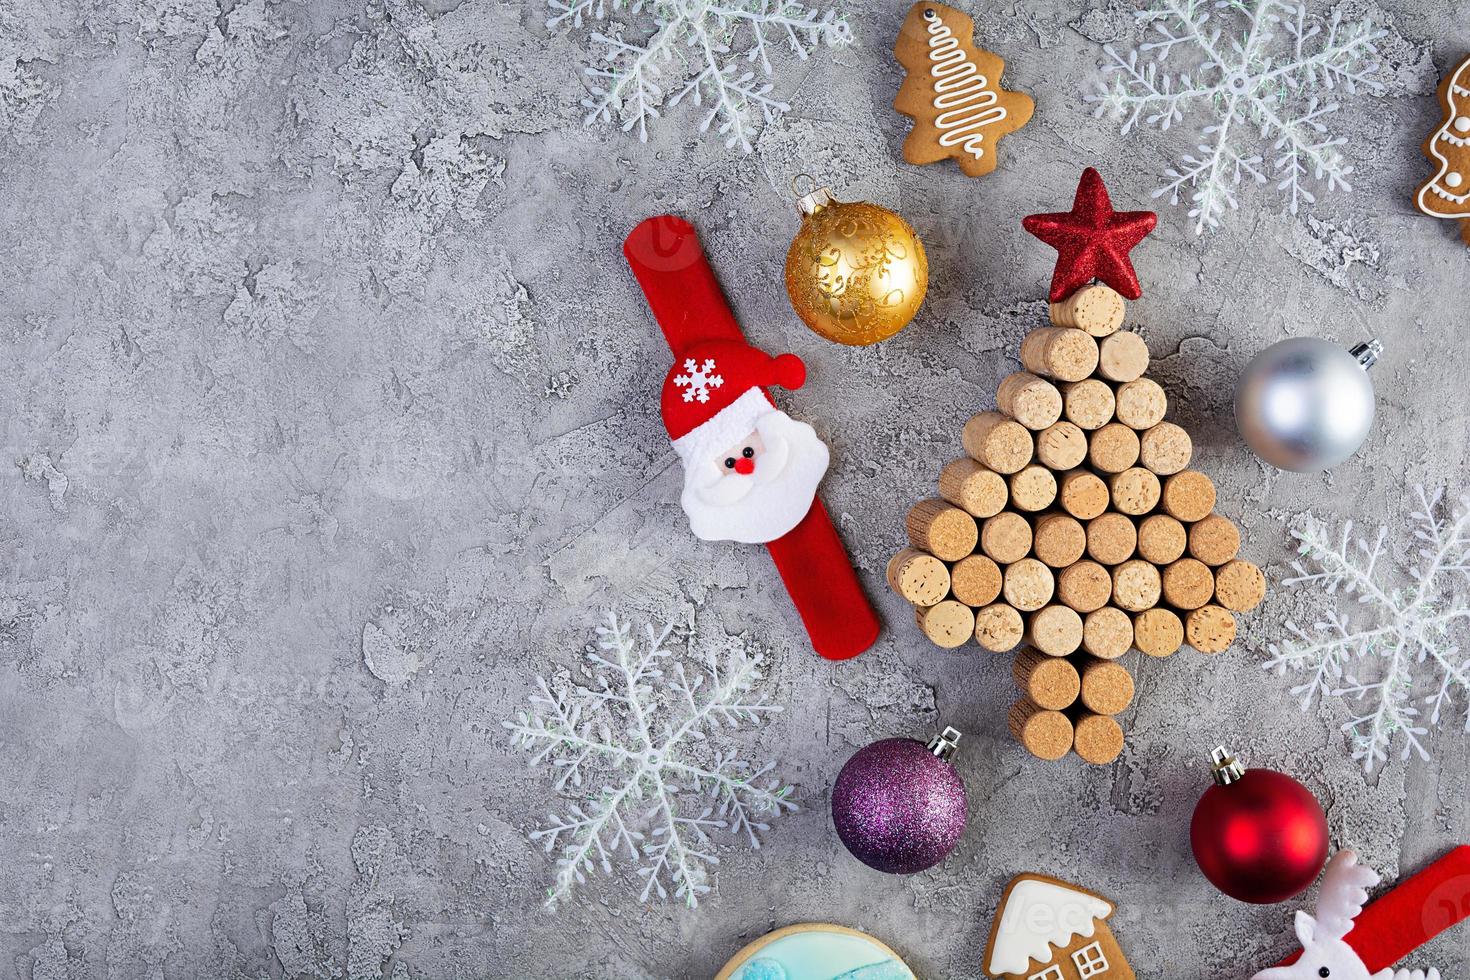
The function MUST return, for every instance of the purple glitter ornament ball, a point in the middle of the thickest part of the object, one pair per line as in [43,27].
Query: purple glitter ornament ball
[899,805]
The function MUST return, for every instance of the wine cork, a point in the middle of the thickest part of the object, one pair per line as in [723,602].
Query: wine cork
[1055,630]
[1161,539]
[1107,687]
[1214,540]
[1061,446]
[1188,496]
[998,627]
[973,488]
[1165,448]
[1058,540]
[1188,584]
[1045,734]
[1136,586]
[1107,633]
[975,580]
[1134,491]
[1000,443]
[1113,448]
[1158,632]
[1141,403]
[1034,402]
[1097,739]
[947,624]
[1239,586]
[1209,629]
[1006,537]
[1064,353]
[1111,538]
[1122,356]
[1028,585]
[1050,682]
[941,529]
[1085,586]
[1034,488]
[920,578]
[1097,309]
[1083,494]
[1088,404]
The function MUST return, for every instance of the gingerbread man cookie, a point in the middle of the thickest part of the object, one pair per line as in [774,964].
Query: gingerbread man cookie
[953,91]
[1447,195]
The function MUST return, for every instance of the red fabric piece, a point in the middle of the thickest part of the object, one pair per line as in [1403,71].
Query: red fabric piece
[1415,912]
[669,264]
[1092,240]
[825,589]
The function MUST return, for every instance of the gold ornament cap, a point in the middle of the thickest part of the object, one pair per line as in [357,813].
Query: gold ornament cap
[813,200]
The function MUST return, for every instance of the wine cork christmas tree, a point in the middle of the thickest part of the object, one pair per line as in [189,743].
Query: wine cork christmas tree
[1073,529]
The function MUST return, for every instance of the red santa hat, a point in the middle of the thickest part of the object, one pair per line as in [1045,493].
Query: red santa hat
[715,393]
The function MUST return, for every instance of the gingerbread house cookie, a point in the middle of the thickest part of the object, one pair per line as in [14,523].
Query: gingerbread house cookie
[1047,929]
[953,91]
[1447,193]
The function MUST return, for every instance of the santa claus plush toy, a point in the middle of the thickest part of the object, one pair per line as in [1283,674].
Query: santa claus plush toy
[750,470]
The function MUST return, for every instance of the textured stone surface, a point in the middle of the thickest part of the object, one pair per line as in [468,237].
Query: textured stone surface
[330,418]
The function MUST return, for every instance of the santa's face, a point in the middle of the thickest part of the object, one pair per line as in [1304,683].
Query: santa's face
[759,488]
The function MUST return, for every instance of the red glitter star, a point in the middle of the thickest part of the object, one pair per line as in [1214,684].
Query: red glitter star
[1092,240]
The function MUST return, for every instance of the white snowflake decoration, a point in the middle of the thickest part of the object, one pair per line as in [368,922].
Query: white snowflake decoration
[637,746]
[1268,74]
[703,48]
[698,379]
[1404,663]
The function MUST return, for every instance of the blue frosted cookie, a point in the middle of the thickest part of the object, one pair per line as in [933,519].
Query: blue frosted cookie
[816,951]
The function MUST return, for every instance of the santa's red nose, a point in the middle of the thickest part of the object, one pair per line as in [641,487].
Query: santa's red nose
[744,466]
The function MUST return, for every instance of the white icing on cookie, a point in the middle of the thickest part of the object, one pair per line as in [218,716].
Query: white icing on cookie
[1037,916]
[1434,197]
[963,97]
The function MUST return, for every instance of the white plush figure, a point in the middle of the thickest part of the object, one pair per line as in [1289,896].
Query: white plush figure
[1325,954]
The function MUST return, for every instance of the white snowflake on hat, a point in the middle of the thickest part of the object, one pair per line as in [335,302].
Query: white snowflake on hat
[698,379]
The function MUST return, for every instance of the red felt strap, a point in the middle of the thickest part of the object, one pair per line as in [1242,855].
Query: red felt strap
[1406,918]
[682,291]
[820,579]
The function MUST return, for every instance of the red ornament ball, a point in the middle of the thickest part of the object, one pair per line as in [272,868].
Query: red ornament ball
[1261,838]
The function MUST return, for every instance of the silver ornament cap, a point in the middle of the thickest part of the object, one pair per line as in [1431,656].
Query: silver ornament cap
[1306,404]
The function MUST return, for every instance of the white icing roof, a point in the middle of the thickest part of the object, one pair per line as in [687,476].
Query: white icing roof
[1037,916]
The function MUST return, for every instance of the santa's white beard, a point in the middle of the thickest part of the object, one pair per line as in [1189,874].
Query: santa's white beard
[727,506]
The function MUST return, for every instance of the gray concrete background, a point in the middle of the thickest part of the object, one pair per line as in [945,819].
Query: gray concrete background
[318,338]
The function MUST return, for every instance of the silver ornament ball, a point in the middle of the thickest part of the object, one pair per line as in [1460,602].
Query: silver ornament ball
[1306,404]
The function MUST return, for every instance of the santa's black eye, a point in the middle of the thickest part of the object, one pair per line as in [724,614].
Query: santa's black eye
[729,462]
[748,452]
[1324,972]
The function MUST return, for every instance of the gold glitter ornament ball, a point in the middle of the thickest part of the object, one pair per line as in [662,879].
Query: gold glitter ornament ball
[856,273]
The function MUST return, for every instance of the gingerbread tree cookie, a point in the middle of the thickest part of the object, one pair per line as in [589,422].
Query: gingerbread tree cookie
[1447,194]
[1073,527]
[953,91]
